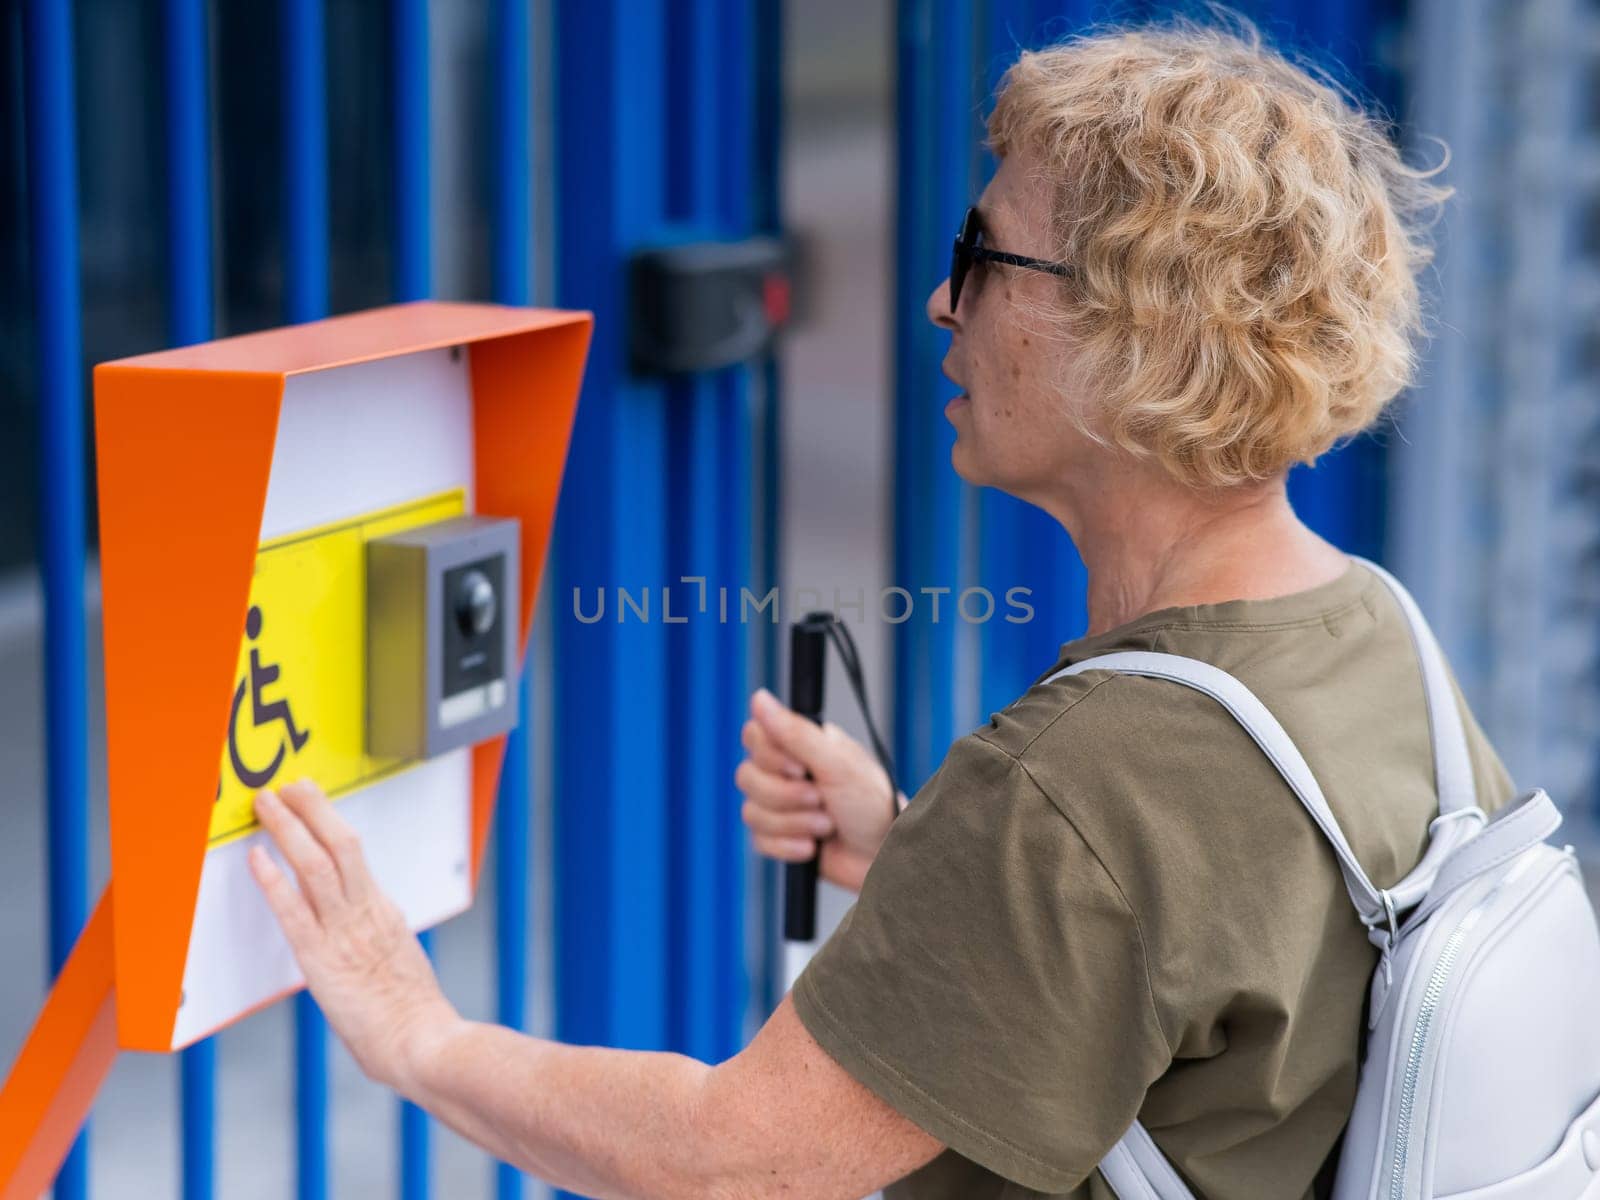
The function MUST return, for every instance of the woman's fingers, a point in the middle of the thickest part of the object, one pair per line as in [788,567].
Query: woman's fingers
[774,791]
[785,849]
[307,801]
[799,738]
[766,754]
[807,823]
[294,914]
[313,866]
[369,975]
[785,816]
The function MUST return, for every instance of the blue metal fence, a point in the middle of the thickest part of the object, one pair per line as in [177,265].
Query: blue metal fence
[937,122]
[305,144]
[709,448]
[611,679]
[512,264]
[649,946]
[413,280]
[661,480]
[53,216]
[190,319]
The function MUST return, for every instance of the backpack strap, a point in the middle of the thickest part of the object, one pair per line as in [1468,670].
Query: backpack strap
[1452,764]
[1522,824]
[1136,1169]
[1263,727]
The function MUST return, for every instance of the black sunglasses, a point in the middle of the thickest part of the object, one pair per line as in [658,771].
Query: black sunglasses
[969,249]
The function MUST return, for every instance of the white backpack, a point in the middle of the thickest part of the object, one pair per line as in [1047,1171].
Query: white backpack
[1482,1067]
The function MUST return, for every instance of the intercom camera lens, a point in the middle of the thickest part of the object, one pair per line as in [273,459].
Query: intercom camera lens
[476,604]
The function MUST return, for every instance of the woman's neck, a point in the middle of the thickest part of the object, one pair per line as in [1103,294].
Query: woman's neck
[1148,545]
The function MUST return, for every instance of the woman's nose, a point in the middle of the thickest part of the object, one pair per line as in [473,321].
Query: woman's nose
[939,306]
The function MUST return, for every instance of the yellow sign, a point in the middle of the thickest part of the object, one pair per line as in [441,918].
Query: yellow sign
[300,696]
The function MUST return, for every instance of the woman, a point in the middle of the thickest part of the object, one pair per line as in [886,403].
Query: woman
[1194,267]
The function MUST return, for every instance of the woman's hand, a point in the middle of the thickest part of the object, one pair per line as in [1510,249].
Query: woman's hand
[366,970]
[845,804]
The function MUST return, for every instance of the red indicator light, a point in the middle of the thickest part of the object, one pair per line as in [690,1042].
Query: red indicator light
[775,298]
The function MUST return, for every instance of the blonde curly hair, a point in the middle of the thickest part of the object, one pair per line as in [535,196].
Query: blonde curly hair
[1245,242]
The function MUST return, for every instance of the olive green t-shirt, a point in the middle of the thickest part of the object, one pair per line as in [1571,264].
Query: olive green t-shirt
[1106,903]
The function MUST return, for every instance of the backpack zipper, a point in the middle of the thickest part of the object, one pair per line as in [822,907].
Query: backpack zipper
[1426,1011]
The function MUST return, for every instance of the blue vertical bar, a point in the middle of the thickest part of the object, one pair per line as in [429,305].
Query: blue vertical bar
[512,207]
[413,280]
[709,428]
[727,122]
[190,320]
[413,237]
[611,681]
[52,149]
[767,194]
[937,136]
[305,140]
[511,212]
[305,143]
[188,174]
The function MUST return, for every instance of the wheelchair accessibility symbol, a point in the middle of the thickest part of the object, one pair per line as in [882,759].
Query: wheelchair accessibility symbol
[262,713]
[298,702]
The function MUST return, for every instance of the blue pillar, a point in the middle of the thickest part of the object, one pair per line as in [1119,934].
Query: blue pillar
[413,280]
[938,137]
[710,449]
[190,320]
[611,681]
[305,142]
[413,214]
[52,150]
[511,42]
